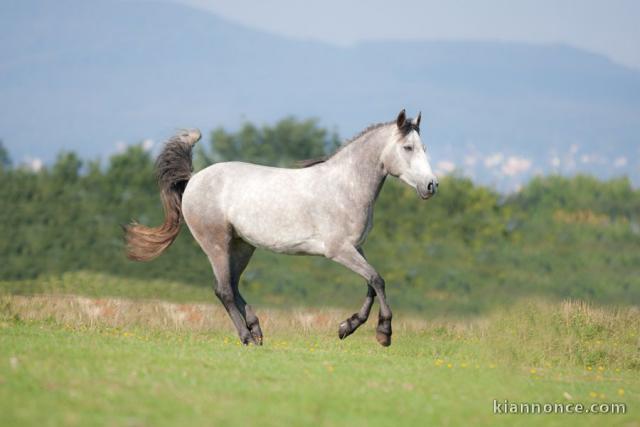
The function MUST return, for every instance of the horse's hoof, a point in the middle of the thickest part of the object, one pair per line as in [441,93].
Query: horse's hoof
[383,339]
[247,339]
[343,330]
[257,339]
[256,333]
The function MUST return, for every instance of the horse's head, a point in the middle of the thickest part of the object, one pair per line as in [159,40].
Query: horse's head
[405,157]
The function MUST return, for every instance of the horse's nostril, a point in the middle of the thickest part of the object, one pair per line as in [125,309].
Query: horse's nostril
[430,187]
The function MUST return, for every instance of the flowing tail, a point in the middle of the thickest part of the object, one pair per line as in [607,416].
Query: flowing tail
[173,170]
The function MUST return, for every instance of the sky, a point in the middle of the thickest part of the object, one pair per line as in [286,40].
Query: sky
[44,114]
[609,27]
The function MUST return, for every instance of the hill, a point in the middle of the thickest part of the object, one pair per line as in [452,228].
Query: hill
[84,76]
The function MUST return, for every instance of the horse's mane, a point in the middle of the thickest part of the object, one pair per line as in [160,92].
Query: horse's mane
[317,160]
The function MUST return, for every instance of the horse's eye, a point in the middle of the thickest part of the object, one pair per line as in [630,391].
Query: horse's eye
[408,148]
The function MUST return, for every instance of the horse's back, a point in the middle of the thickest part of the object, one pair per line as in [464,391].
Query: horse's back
[234,178]
[268,207]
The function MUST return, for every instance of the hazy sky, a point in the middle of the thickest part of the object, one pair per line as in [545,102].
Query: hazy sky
[611,27]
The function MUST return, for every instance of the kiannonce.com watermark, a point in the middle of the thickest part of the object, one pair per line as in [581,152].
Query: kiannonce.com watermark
[502,407]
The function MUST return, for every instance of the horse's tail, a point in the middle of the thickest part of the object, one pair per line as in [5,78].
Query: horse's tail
[173,170]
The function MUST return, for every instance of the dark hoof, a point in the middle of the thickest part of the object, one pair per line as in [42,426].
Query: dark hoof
[251,339]
[256,333]
[257,339]
[383,339]
[344,330]
[248,338]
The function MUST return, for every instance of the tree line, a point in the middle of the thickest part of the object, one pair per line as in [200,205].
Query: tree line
[559,236]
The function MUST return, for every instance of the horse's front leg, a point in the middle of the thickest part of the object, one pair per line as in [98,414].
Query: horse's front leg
[351,258]
[383,331]
[350,325]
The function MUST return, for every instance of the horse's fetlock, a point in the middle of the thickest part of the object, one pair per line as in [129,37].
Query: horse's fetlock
[356,318]
[252,322]
[385,318]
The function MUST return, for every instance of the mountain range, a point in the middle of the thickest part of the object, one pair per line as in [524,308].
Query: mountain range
[90,76]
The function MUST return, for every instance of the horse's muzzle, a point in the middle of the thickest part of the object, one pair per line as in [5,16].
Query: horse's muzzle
[427,189]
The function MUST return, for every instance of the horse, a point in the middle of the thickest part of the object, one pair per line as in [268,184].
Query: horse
[324,208]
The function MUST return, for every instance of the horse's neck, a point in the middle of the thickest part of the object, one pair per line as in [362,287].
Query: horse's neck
[360,164]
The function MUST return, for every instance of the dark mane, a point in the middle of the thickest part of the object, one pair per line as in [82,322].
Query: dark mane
[409,126]
[306,163]
[317,160]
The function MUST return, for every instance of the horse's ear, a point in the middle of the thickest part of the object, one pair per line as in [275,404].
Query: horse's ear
[418,119]
[402,117]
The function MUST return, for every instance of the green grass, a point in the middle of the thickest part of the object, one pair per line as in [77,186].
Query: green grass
[94,284]
[58,368]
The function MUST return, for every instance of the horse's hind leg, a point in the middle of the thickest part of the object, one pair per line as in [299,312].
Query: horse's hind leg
[252,320]
[221,262]
[241,253]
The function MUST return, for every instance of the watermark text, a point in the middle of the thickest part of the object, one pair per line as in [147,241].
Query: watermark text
[502,407]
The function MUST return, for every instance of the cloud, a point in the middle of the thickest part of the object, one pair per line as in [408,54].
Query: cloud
[620,162]
[444,167]
[33,163]
[493,160]
[516,165]
[146,144]
[470,160]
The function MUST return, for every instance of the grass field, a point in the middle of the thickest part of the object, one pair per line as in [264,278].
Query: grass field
[68,360]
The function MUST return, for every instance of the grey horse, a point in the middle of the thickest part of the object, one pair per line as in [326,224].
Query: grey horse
[323,208]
